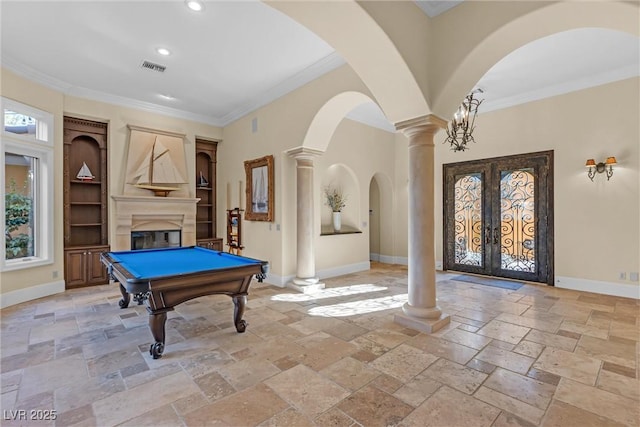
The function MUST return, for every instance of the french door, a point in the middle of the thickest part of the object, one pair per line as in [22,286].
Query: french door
[498,217]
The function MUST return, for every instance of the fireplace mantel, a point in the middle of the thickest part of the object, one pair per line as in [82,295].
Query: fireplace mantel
[143,213]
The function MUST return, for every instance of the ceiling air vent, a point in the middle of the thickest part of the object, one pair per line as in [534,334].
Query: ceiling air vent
[153,67]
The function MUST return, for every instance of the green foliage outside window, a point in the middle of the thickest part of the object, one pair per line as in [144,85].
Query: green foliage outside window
[18,212]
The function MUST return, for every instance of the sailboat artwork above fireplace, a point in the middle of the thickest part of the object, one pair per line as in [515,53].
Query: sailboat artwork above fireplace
[156,161]
[158,168]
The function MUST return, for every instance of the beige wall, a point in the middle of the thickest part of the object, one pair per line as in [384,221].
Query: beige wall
[596,223]
[283,125]
[45,99]
[365,151]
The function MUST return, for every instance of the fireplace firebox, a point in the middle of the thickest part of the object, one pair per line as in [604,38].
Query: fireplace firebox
[155,239]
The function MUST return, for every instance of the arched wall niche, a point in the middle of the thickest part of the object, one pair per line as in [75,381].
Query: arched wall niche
[341,177]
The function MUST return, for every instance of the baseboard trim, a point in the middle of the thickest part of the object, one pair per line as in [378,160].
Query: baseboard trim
[389,259]
[8,299]
[344,269]
[281,281]
[402,260]
[598,287]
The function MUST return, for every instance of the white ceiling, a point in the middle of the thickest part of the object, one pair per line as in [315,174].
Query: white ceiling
[235,57]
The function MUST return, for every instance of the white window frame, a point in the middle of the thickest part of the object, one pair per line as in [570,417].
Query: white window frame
[39,146]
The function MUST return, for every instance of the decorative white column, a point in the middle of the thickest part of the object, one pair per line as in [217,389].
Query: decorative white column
[421,311]
[306,280]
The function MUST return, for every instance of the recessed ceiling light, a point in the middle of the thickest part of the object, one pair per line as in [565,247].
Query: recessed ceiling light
[163,51]
[166,96]
[195,5]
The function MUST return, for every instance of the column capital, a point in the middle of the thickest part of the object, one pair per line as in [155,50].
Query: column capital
[429,124]
[304,153]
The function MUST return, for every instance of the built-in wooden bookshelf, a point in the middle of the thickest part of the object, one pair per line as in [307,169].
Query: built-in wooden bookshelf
[86,232]
[206,192]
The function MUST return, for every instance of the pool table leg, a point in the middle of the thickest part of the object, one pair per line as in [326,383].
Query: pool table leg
[126,298]
[239,302]
[156,324]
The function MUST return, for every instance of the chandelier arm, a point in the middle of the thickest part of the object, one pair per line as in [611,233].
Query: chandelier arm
[460,131]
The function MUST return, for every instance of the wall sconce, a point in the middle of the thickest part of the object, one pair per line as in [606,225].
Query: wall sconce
[606,167]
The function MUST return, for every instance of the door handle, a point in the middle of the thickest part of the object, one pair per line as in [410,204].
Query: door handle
[495,236]
[487,236]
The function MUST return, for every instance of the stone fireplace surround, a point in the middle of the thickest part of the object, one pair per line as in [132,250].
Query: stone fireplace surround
[143,213]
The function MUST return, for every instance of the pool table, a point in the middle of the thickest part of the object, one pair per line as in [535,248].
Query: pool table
[170,276]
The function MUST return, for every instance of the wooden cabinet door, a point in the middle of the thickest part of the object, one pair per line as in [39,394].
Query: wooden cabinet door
[75,268]
[82,267]
[96,272]
[215,244]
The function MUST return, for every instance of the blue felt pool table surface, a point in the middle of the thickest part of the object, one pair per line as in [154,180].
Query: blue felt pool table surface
[151,263]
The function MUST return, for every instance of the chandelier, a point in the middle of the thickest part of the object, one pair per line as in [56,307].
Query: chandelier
[460,130]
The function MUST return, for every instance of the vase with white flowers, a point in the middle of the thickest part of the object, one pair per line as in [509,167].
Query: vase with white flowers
[336,200]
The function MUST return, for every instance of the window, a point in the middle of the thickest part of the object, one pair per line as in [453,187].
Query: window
[26,158]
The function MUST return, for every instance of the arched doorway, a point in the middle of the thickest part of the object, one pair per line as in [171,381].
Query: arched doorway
[374,221]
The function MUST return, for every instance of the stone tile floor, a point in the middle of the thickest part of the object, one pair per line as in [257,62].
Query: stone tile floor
[535,356]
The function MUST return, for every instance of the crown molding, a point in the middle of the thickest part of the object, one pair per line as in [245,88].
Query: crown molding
[312,72]
[34,75]
[122,101]
[317,69]
[81,92]
[609,76]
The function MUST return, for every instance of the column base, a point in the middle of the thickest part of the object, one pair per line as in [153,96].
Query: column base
[422,312]
[435,321]
[428,326]
[306,286]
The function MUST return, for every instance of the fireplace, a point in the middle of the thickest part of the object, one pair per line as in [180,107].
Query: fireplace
[155,239]
[138,215]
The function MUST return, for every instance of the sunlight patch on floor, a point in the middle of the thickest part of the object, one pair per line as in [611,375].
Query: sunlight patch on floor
[359,307]
[329,293]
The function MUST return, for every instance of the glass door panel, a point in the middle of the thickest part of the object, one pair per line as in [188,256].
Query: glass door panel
[468,220]
[517,220]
